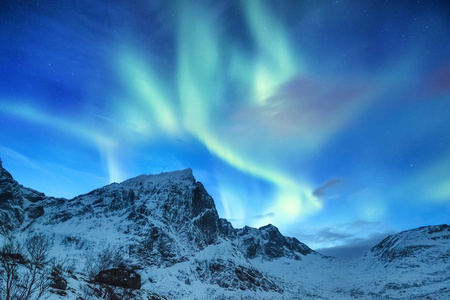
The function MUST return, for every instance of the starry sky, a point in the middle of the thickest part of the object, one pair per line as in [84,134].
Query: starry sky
[328,119]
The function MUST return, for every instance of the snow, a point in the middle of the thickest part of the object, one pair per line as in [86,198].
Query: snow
[181,262]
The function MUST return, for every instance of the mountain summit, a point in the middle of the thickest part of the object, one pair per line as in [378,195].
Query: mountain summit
[163,233]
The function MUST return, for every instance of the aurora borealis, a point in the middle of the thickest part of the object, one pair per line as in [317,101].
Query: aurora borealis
[328,119]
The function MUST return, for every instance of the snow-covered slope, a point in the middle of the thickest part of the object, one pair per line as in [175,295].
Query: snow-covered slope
[413,264]
[167,229]
[424,246]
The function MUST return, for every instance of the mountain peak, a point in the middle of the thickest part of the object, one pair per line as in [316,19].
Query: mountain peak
[413,243]
[178,173]
[269,227]
[174,176]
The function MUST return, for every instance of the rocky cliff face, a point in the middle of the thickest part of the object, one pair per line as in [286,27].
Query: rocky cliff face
[11,201]
[166,228]
[267,242]
[171,215]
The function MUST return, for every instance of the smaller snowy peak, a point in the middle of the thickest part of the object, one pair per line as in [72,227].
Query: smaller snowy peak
[267,242]
[424,242]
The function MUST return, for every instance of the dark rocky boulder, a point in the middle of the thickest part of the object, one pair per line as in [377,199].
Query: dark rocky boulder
[59,283]
[119,277]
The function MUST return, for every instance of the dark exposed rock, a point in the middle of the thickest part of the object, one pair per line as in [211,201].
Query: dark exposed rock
[33,195]
[253,279]
[11,201]
[227,274]
[154,296]
[122,199]
[62,216]
[438,228]
[35,211]
[227,229]
[119,277]
[59,292]
[201,200]
[207,224]
[111,294]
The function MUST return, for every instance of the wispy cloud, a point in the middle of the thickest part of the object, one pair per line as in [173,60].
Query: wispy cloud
[355,247]
[322,190]
[5,151]
[348,234]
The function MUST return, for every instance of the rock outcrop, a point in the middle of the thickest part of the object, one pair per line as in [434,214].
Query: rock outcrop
[119,277]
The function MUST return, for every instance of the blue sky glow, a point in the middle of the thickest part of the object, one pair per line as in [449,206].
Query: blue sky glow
[328,119]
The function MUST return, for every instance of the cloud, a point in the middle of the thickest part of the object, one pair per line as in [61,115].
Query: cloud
[328,235]
[361,224]
[358,233]
[5,151]
[323,190]
[268,215]
[438,82]
[354,248]
[308,109]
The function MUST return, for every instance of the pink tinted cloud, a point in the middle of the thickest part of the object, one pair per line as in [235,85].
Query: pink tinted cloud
[439,81]
[303,106]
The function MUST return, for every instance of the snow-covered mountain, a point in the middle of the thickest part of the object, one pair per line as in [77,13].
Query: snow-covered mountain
[165,230]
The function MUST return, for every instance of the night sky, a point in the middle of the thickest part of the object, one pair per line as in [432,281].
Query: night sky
[328,119]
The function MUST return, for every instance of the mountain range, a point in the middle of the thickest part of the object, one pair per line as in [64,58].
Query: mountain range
[162,238]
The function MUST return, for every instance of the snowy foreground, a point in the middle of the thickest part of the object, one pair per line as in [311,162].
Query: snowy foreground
[165,228]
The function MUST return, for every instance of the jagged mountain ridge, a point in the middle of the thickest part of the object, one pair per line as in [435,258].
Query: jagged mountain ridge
[157,221]
[167,227]
[170,206]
